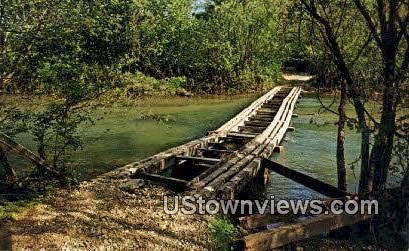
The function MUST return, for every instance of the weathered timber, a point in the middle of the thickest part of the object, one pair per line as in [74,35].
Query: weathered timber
[211,173]
[262,221]
[268,113]
[256,221]
[223,177]
[262,145]
[197,159]
[308,181]
[216,150]
[237,183]
[241,135]
[259,123]
[246,145]
[161,179]
[286,234]
[267,109]
[291,129]
[262,118]
[238,120]
[155,163]
[251,129]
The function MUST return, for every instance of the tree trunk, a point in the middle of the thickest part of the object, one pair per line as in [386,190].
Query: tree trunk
[342,185]
[367,171]
[9,171]
[381,154]
[365,182]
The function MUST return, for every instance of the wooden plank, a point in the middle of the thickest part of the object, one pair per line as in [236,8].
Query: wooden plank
[257,123]
[262,144]
[215,150]
[268,113]
[308,181]
[251,129]
[261,221]
[225,176]
[210,174]
[155,163]
[247,112]
[242,135]
[197,159]
[161,178]
[262,118]
[286,234]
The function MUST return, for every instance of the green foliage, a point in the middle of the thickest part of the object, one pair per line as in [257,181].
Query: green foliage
[235,47]
[56,132]
[223,233]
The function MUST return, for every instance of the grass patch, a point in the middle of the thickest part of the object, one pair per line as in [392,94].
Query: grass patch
[11,210]
[223,233]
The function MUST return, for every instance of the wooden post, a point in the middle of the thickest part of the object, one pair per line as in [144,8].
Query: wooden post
[314,184]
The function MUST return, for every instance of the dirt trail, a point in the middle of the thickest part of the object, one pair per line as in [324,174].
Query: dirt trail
[99,216]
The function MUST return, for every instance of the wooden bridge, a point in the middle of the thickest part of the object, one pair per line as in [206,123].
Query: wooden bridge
[221,165]
[224,162]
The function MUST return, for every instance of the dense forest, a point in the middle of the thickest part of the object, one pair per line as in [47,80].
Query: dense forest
[73,54]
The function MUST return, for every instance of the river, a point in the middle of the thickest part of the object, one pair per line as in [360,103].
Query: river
[124,134]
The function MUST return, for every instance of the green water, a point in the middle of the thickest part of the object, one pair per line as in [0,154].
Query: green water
[311,149]
[120,136]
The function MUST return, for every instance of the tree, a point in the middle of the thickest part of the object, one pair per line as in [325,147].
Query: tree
[388,34]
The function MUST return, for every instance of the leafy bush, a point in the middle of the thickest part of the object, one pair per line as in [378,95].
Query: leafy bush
[223,233]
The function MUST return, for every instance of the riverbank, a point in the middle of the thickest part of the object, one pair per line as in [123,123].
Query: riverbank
[99,215]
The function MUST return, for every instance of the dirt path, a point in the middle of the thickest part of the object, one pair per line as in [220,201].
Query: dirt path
[99,216]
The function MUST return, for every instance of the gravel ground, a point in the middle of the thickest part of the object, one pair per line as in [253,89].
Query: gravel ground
[98,215]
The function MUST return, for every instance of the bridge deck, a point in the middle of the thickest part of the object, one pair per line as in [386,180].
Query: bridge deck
[222,163]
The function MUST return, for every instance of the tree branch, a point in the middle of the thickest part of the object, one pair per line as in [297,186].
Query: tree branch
[371,25]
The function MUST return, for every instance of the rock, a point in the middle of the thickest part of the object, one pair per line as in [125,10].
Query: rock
[132,185]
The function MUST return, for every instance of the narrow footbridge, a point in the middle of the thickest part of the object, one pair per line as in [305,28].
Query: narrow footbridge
[221,164]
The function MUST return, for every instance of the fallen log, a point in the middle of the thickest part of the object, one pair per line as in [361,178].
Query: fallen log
[308,181]
[286,234]
[22,151]
[262,221]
